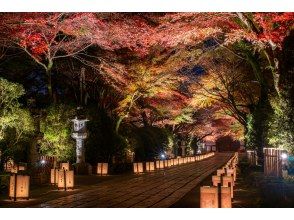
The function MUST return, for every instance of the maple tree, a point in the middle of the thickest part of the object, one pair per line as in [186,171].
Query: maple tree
[143,57]
[46,37]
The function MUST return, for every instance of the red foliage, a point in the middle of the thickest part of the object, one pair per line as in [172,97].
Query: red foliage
[274,26]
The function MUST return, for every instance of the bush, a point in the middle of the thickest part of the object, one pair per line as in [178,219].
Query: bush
[56,127]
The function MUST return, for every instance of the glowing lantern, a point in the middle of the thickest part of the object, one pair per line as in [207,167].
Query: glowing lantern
[220,172]
[172,162]
[54,176]
[159,164]
[21,167]
[228,181]
[19,187]
[65,179]
[216,180]
[168,163]
[176,161]
[64,166]
[102,168]
[208,197]
[165,163]
[226,200]
[192,159]
[180,161]
[138,167]
[150,166]
[9,165]
[232,172]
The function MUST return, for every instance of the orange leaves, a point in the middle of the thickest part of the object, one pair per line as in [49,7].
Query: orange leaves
[274,25]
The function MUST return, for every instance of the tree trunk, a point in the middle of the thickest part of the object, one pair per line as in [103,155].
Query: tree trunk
[119,121]
[49,82]
[145,119]
[260,124]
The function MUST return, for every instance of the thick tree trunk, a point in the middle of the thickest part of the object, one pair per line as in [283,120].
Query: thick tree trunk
[260,124]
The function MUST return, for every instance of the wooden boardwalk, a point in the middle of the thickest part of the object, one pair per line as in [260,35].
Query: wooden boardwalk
[158,189]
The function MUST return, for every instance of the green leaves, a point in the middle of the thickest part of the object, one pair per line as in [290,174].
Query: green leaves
[57,130]
[16,123]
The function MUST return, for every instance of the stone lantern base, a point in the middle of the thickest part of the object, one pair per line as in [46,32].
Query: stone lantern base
[82,168]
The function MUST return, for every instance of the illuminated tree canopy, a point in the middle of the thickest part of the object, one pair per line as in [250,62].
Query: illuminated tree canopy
[197,74]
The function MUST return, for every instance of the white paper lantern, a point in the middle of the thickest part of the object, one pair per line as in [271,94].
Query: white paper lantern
[138,168]
[150,166]
[65,179]
[19,187]
[102,169]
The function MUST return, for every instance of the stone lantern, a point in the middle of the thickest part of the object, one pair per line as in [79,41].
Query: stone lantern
[80,134]
[183,146]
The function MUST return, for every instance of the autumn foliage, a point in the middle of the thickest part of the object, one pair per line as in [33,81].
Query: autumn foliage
[141,55]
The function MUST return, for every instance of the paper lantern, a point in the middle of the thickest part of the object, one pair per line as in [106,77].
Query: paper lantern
[19,187]
[65,179]
[64,166]
[169,163]
[21,167]
[181,161]
[165,163]
[226,200]
[9,165]
[232,172]
[172,162]
[208,197]
[14,169]
[216,180]
[138,168]
[220,172]
[192,159]
[102,168]
[54,176]
[150,166]
[176,161]
[159,164]
[228,181]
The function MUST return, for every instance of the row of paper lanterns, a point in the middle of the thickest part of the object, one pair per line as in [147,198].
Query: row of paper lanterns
[161,164]
[220,195]
[19,184]
[63,177]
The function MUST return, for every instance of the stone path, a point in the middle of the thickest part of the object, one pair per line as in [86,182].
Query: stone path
[158,189]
